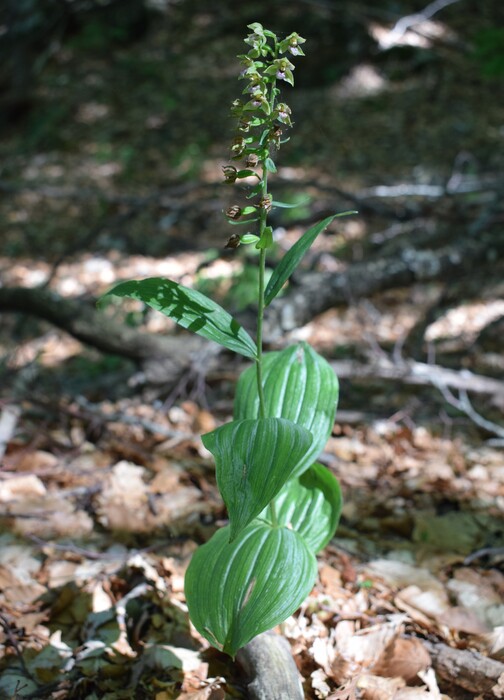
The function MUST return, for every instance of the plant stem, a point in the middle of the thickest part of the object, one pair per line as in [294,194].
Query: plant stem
[273,514]
[260,305]
[260,318]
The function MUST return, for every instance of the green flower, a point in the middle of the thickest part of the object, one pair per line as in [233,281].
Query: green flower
[282,69]
[291,44]
[282,113]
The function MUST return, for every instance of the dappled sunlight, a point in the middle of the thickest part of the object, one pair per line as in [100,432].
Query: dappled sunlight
[465,321]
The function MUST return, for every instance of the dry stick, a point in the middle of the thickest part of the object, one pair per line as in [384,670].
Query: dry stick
[14,643]
[467,669]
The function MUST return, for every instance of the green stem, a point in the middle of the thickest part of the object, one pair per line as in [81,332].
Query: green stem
[260,305]
[262,265]
[273,515]
[260,318]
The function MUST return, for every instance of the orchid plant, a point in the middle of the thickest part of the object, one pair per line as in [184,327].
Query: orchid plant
[283,506]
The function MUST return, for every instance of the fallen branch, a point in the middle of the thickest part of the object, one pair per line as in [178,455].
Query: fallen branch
[419,374]
[317,292]
[468,669]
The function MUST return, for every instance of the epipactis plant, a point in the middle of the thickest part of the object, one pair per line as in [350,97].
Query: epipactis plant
[283,506]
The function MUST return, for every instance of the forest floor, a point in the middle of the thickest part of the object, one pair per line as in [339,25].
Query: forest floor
[105,487]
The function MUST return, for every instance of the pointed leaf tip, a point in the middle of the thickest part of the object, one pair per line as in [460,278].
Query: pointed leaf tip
[191,310]
[254,458]
[235,591]
[294,256]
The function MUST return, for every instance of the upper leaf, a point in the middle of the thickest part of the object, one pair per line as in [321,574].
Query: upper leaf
[191,310]
[299,385]
[237,590]
[310,505]
[294,256]
[254,458]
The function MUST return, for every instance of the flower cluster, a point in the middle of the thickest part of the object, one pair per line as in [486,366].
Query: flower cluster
[262,119]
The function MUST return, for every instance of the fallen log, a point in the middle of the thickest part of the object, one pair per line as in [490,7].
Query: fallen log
[468,669]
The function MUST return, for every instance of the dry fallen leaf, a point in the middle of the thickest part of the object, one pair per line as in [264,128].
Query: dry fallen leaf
[403,658]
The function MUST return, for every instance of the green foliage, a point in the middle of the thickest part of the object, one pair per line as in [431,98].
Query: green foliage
[237,590]
[283,507]
[191,310]
[254,458]
[298,385]
[489,51]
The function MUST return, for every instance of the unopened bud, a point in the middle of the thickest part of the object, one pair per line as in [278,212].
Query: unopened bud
[230,173]
[234,212]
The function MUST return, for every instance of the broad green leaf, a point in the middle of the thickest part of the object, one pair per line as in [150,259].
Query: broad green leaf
[237,590]
[294,256]
[253,459]
[191,310]
[299,385]
[310,505]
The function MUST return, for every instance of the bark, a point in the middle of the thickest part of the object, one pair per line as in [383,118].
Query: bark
[157,356]
[270,668]
[319,292]
[468,669]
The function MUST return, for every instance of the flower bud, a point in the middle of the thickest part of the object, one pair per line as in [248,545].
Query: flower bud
[233,241]
[230,173]
[234,212]
[266,202]
[238,146]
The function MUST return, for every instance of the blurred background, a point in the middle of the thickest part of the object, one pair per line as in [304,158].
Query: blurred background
[115,126]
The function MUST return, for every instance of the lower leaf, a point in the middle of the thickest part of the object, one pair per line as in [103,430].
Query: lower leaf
[311,505]
[237,590]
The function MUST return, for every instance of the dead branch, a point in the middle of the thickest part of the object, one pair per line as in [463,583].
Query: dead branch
[468,669]
[419,374]
[317,292]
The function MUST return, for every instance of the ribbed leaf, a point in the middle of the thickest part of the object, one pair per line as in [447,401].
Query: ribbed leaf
[254,459]
[299,385]
[294,255]
[191,310]
[237,590]
[310,505]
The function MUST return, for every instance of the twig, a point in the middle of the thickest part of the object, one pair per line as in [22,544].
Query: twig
[466,669]
[14,643]
[409,21]
[150,426]
[464,405]
[419,373]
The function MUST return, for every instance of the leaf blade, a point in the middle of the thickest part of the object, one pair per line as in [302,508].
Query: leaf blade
[191,310]
[294,256]
[254,458]
[311,505]
[297,371]
[235,591]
